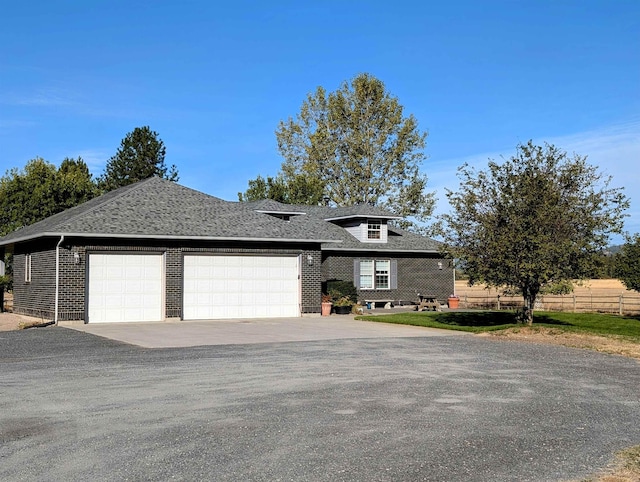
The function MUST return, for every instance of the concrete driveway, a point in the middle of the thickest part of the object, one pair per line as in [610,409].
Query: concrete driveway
[233,332]
[78,407]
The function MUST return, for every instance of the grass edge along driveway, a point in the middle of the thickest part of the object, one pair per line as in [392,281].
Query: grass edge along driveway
[491,321]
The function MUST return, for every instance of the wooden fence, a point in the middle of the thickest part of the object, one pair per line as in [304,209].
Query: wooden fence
[622,304]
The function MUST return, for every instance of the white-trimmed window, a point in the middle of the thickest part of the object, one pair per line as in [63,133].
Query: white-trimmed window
[375,274]
[383,270]
[367,271]
[27,268]
[374,229]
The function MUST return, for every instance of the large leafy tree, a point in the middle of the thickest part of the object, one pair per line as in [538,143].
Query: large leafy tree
[539,219]
[140,156]
[360,146]
[40,190]
[74,184]
[298,189]
[628,263]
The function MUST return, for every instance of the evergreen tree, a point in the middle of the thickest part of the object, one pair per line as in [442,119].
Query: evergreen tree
[140,156]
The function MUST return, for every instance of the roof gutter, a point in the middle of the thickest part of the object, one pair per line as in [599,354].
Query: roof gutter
[389,250]
[55,309]
[363,216]
[168,237]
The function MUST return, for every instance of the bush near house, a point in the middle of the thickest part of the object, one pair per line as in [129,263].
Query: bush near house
[339,289]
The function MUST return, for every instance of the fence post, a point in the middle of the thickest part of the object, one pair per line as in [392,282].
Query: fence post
[498,302]
[574,302]
[620,305]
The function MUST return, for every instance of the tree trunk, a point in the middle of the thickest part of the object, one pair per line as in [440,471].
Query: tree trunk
[526,315]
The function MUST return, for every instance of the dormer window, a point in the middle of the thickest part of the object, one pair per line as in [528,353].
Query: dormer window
[365,229]
[374,229]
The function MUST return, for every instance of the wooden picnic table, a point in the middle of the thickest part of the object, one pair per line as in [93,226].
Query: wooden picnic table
[428,302]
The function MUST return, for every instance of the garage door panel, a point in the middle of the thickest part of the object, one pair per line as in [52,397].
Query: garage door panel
[125,287]
[240,286]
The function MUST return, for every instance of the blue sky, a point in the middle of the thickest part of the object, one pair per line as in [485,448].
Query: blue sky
[214,79]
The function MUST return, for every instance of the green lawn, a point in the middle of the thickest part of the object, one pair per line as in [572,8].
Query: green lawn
[479,321]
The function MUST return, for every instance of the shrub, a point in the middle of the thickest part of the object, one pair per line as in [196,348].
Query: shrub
[340,289]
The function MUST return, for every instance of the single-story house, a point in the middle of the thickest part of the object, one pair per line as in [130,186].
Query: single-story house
[155,251]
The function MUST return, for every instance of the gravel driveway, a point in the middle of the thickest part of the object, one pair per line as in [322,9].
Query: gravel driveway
[74,406]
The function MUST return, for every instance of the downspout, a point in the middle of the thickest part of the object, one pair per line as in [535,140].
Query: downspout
[55,309]
[454,277]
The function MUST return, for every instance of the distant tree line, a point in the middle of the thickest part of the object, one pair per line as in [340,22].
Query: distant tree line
[41,189]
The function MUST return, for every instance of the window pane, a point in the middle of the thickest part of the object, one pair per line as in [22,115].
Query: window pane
[366,274]
[366,266]
[366,282]
[382,274]
[373,229]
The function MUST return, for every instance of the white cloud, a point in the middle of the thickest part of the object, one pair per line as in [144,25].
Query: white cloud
[614,149]
[44,97]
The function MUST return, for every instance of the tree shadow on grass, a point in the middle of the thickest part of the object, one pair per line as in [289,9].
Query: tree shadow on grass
[632,317]
[547,320]
[477,318]
[491,318]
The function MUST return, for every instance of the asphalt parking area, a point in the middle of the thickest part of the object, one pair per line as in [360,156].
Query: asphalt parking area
[74,407]
[234,332]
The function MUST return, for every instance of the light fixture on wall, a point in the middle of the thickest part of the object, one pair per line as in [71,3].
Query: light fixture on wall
[439,264]
[76,257]
[310,260]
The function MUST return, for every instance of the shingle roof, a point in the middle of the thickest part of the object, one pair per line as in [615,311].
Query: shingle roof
[397,239]
[157,208]
[161,209]
[323,212]
[315,218]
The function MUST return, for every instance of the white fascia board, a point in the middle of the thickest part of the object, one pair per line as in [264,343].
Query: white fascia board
[363,216]
[428,251]
[169,237]
[290,213]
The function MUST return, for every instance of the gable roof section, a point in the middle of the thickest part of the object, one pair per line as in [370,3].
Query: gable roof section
[161,209]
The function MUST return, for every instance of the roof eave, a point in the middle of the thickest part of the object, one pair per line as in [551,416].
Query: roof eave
[393,250]
[363,216]
[270,211]
[165,237]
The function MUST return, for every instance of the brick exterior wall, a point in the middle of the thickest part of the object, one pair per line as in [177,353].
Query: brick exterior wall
[416,274]
[71,295]
[311,281]
[173,284]
[38,297]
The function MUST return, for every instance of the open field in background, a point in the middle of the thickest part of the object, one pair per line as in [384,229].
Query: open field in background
[596,295]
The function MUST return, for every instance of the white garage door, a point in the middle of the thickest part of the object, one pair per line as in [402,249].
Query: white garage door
[218,287]
[125,287]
